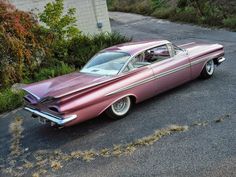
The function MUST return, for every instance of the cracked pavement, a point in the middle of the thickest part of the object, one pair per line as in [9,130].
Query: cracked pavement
[205,150]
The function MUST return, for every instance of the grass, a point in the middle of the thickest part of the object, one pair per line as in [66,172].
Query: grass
[56,165]
[88,155]
[16,130]
[105,152]
[230,22]
[10,100]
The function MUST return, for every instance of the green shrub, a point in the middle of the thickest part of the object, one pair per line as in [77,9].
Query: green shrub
[182,3]
[203,12]
[230,22]
[10,100]
[164,13]
[142,7]
[213,15]
[188,14]
[82,48]
[159,3]
[50,72]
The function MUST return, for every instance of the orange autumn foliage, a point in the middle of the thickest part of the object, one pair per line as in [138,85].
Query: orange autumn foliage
[21,46]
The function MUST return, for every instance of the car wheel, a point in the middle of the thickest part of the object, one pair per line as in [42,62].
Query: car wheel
[208,70]
[120,108]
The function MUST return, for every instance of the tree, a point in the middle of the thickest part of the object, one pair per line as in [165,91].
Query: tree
[62,27]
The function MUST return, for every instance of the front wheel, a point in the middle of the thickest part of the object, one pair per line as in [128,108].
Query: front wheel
[208,70]
[120,108]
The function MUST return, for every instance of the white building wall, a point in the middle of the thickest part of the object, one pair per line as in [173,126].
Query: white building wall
[90,13]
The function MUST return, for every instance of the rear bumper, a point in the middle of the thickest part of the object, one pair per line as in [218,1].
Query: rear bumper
[51,118]
[220,60]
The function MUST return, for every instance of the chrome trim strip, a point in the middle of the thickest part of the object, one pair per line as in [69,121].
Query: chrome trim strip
[187,44]
[144,81]
[55,119]
[172,71]
[132,85]
[38,98]
[157,76]
[197,61]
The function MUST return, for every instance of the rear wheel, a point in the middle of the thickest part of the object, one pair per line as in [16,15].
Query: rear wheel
[208,70]
[120,108]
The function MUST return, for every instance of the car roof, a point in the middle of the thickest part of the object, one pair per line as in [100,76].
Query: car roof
[134,48]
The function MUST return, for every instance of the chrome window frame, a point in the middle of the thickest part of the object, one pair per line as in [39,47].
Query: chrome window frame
[137,53]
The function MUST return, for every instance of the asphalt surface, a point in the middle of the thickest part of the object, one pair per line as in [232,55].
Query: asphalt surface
[208,149]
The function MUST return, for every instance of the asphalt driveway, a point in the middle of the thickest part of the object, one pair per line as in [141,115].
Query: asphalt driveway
[206,107]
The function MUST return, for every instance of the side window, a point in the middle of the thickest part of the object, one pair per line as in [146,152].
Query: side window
[150,56]
[158,54]
[137,62]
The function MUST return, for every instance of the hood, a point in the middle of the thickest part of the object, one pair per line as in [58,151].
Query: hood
[64,85]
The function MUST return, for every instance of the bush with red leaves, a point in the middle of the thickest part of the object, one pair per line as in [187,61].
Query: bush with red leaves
[21,46]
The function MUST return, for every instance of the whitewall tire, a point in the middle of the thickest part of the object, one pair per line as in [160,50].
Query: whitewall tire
[208,70]
[120,108]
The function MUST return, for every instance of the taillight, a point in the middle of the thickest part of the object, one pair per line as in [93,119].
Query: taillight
[54,109]
[30,99]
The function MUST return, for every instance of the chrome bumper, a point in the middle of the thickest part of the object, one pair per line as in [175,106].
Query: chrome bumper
[221,60]
[58,120]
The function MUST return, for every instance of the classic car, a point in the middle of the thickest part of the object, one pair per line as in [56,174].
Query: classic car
[118,77]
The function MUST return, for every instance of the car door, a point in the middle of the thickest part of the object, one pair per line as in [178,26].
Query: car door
[172,69]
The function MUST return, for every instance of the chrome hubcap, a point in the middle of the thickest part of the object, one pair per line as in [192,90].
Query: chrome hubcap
[210,67]
[122,106]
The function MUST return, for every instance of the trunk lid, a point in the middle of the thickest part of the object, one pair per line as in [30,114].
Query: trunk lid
[198,48]
[64,85]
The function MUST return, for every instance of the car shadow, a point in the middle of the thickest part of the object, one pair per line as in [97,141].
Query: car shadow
[38,136]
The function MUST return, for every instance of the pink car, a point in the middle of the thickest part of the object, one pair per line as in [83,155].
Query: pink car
[118,77]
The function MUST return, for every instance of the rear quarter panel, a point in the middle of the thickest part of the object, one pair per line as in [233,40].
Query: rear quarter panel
[201,54]
[92,104]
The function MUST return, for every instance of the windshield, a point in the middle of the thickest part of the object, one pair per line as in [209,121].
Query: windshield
[106,63]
